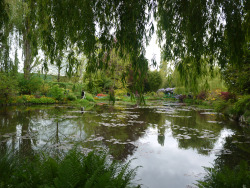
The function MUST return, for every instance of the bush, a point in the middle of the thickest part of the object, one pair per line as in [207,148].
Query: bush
[182,97]
[56,92]
[220,105]
[226,177]
[42,100]
[34,100]
[227,95]
[101,95]
[160,94]
[120,92]
[29,86]
[73,169]
[153,81]
[242,105]
[89,97]
[45,89]
[71,97]
[8,88]
[202,95]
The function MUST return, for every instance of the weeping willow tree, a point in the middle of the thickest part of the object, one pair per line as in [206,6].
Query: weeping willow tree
[197,32]
[192,32]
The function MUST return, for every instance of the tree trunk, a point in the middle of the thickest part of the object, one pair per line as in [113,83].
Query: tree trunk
[27,51]
[58,74]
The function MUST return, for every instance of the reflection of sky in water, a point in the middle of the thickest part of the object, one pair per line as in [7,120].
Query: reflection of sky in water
[168,165]
[172,144]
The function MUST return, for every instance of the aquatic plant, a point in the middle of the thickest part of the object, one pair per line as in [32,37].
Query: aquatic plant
[73,169]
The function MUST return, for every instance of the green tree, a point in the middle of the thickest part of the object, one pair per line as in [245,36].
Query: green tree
[153,81]
[238,80]
[194,32]
[8,87]
[23,23]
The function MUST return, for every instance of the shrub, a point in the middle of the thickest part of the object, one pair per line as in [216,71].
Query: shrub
[120,92]
[89,97]
[101,95]
[160,94]
[56,92]
[227,95]
[42,100]
[153,81]
[182,97]
[226,177]
[151,94]
[242,105]
[71,97]
[202,95]
[45,89]
[73,169]
[60,84]
[220,105]
[214,95]
[8,88]
[34,100]
[29,86]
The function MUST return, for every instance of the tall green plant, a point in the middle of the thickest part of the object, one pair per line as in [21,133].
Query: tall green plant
[226,177]
[8,87]
[56,92]
[73,169]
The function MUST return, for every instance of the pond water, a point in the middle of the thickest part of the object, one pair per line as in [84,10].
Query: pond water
[171,142]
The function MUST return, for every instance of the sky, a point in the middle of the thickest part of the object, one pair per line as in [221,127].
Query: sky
[153,50]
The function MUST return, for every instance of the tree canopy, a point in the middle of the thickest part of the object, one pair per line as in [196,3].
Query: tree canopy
[192,32]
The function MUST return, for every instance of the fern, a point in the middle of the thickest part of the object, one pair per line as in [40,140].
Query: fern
[72,169]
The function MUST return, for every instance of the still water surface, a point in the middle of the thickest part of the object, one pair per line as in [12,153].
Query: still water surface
[170,142]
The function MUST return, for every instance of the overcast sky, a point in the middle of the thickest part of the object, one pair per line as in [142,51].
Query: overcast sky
[153,50]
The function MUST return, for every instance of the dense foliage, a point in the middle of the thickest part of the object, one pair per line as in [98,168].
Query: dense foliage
[74,169]
[227,177]
[193,33]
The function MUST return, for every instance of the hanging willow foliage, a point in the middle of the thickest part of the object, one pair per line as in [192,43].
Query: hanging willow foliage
[213,31]
[216,30]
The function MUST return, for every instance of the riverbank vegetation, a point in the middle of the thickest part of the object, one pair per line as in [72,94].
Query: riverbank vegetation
[73,169]
[239,176]
[67,47]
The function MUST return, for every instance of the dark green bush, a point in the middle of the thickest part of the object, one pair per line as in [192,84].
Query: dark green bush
[220,105]
[242,105]
[71,97]
[8,88]
[30,86]
[71,170]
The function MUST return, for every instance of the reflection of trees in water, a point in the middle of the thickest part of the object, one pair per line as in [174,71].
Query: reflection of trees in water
[187,127]
[16,124]
[122,134]
[62,129]
[235,149]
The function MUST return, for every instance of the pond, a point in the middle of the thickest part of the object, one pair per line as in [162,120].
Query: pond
[171,142]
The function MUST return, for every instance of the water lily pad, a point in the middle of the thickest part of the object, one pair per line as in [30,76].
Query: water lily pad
[219,122]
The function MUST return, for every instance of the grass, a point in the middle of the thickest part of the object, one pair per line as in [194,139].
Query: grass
[73,169]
